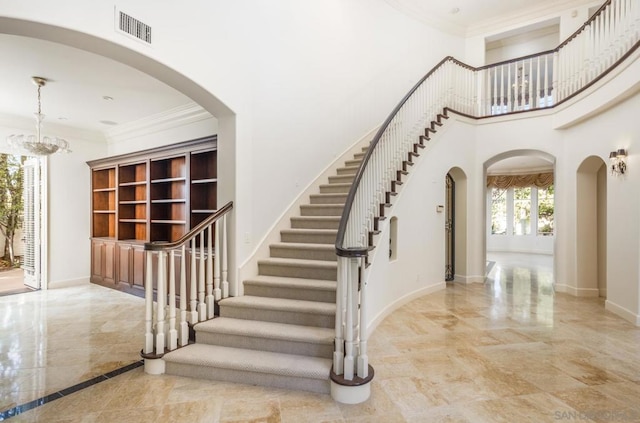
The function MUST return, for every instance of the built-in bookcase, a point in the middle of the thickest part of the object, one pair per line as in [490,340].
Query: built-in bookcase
[149,196]
[132,201]
[204,184]
[104,202]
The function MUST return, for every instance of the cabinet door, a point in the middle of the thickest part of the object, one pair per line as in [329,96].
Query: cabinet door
[109,263]
[97,252]
[123,254]
[137,270]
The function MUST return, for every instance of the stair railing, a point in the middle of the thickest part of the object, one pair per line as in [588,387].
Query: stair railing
[202,282]
[532,82]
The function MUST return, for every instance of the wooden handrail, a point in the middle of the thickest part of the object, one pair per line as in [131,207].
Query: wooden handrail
[164,245]
[342,251]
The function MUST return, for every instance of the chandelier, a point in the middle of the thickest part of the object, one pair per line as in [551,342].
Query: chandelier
[37,144]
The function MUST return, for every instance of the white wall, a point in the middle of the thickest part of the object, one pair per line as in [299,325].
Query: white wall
[69,201]
[303,80]
[469,145]
[70,212]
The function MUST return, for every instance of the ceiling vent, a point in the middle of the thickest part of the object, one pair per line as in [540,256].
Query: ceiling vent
[131,26]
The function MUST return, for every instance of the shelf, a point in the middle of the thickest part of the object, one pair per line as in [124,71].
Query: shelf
[204,181]
[133,220]
[130,184]
[104,211]
[165,180]
[133,202]
[170,222]
[169,200]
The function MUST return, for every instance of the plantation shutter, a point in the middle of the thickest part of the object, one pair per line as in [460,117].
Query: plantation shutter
[31,222]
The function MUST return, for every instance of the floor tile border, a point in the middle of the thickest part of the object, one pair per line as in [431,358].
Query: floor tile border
[5,414]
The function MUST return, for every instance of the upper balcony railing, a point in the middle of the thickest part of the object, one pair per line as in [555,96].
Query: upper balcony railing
[528,83]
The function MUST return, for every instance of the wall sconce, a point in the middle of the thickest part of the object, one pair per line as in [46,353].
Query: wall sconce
[618,161]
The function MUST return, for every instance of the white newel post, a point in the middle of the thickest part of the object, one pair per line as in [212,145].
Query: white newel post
[193,281]
[161,303]
[225,259]
[202,305]
[338,354]
[216,264]
[210,291]
[173,332]
[363,358]
[148,300]
[184,327]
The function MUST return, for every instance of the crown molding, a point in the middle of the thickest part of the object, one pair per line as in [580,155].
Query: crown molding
[430,20]
[168,119]
[539,12]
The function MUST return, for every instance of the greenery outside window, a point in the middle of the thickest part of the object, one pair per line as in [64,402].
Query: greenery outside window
[521,211]
[498,211]
[545,211]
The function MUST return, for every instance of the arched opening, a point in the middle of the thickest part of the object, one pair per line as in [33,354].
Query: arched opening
[519,194]
[154,69]
[456,225]
[591,227]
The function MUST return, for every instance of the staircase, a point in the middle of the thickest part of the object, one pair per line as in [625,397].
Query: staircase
[281,332]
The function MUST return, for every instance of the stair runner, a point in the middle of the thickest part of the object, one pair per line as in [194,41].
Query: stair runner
[280,333]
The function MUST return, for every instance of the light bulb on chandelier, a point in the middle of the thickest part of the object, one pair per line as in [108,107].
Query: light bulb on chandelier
[37,144]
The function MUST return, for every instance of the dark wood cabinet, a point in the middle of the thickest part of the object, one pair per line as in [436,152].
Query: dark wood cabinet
[152,195]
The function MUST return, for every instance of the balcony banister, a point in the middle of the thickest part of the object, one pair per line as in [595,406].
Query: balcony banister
[531,82]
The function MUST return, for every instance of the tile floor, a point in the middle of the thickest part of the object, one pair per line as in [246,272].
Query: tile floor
[510,350]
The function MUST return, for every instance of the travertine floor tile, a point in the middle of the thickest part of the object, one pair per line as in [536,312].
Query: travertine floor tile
[510,350]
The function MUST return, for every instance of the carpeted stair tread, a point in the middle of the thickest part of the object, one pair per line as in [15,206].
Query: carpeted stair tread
[279,281]
[290,262]
[251,361]
[304,245]
[315,222]
[280,304]
[310,231]
[279,331]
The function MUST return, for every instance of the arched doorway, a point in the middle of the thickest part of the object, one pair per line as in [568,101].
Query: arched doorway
[591,227]
[519,193]
[159,71]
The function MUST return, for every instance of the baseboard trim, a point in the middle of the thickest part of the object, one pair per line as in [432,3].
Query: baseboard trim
[68,283]
[620,311]
[468,279]
[577,292]
[402,301]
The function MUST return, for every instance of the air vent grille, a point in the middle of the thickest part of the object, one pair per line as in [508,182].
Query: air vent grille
[134,27]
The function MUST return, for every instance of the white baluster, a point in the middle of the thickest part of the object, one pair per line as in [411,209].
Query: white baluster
[161,303]
[210,289]
[184,327]
[202,304]
[216,264]
[224,259]
[194,285]
[148,302]
[173,333]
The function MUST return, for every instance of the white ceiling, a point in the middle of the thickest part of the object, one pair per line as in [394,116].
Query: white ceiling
[462,16]
[78,80]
